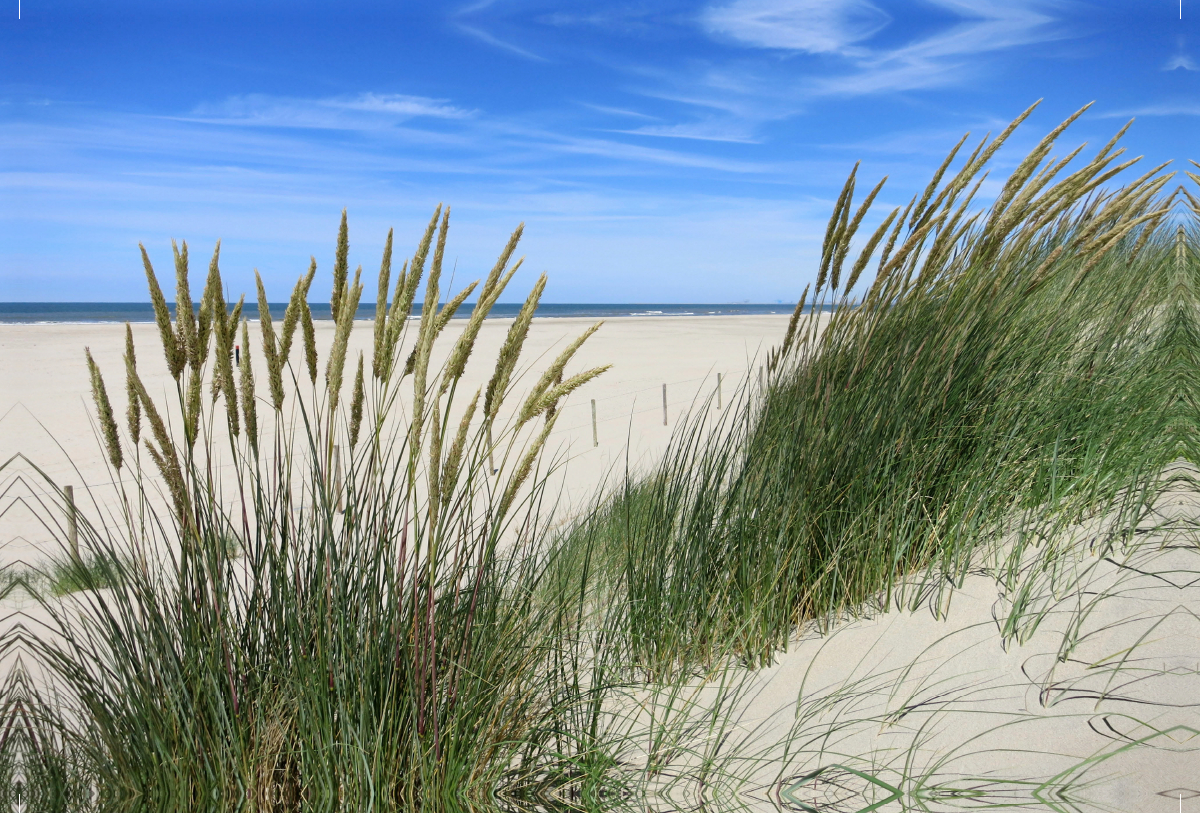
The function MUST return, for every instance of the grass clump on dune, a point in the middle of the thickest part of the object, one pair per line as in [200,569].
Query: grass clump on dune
[83,574]
[374,642]
[1002,364]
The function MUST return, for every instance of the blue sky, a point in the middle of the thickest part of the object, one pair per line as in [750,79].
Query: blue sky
[664,151]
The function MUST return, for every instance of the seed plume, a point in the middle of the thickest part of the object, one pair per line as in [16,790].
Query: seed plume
[108,424]
[133,414]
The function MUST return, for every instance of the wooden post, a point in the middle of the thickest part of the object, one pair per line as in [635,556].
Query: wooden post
[337,475]
[595,437]
[718,390]
[664,404]
[72,521]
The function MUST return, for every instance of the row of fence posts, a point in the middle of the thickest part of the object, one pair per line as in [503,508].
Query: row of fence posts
[595,432]
[72,515]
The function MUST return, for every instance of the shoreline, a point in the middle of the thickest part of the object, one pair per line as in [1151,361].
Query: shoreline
[103,313]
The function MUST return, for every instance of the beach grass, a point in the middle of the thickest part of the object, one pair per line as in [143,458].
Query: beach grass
[1000,378]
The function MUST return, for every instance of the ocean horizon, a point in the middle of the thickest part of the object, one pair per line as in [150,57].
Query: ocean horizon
[117,312]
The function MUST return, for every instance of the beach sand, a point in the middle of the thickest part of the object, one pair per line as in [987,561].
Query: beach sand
[939,706]
[47,414]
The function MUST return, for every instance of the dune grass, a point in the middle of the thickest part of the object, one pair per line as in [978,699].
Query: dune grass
[388,654]
[1002,375]
[95,573]
[414,636]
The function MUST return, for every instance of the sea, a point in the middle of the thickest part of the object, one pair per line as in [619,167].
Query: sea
[106,312]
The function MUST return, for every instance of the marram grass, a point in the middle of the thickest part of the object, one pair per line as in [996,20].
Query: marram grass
[434,645]
[285,653]
[1002,376]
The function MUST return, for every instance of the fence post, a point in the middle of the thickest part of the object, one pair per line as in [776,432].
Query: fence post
[72,521]
[337,475]
[664,404]
[718,390]
[595,437]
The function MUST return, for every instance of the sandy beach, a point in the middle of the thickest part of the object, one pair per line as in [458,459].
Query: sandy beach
[47,414]
[843,719]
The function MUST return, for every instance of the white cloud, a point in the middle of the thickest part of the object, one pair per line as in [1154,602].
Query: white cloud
[495,41]
[399,104]
[699,131]
[952,54]
[274,194]
[364,111]
[813,26]
[1181,61]
[618,111]
[1167,109]
[845,27]
[463,14]
[621,152]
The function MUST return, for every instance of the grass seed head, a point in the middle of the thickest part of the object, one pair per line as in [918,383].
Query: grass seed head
[310,342]
[837,223]
[270,347]
[185,319]
[483,306]
[932,186]
[510,352]
[552,377]
[162,317]
[192,407]
[249,409]
[108,424]
[396,320]
[848,232]
[450,470]
[435,462]
[525,467]
[864,256]
[549,400]
[165,456]
[493,277]
[211,301]
[356,404]
[341,267]
[381,306]
[335,367]
[133,413]
[450,308]
[291,317]
[793,323]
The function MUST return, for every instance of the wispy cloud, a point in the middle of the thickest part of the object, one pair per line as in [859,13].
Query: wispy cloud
[364,111]
[623,19]
[274,195]
[951,55]
[699,131]
[1164,109]
[401,105]
[1181,61]
[632,153]
[812,26]
[844,28]
[495,41]
[462,21]
[619,111]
